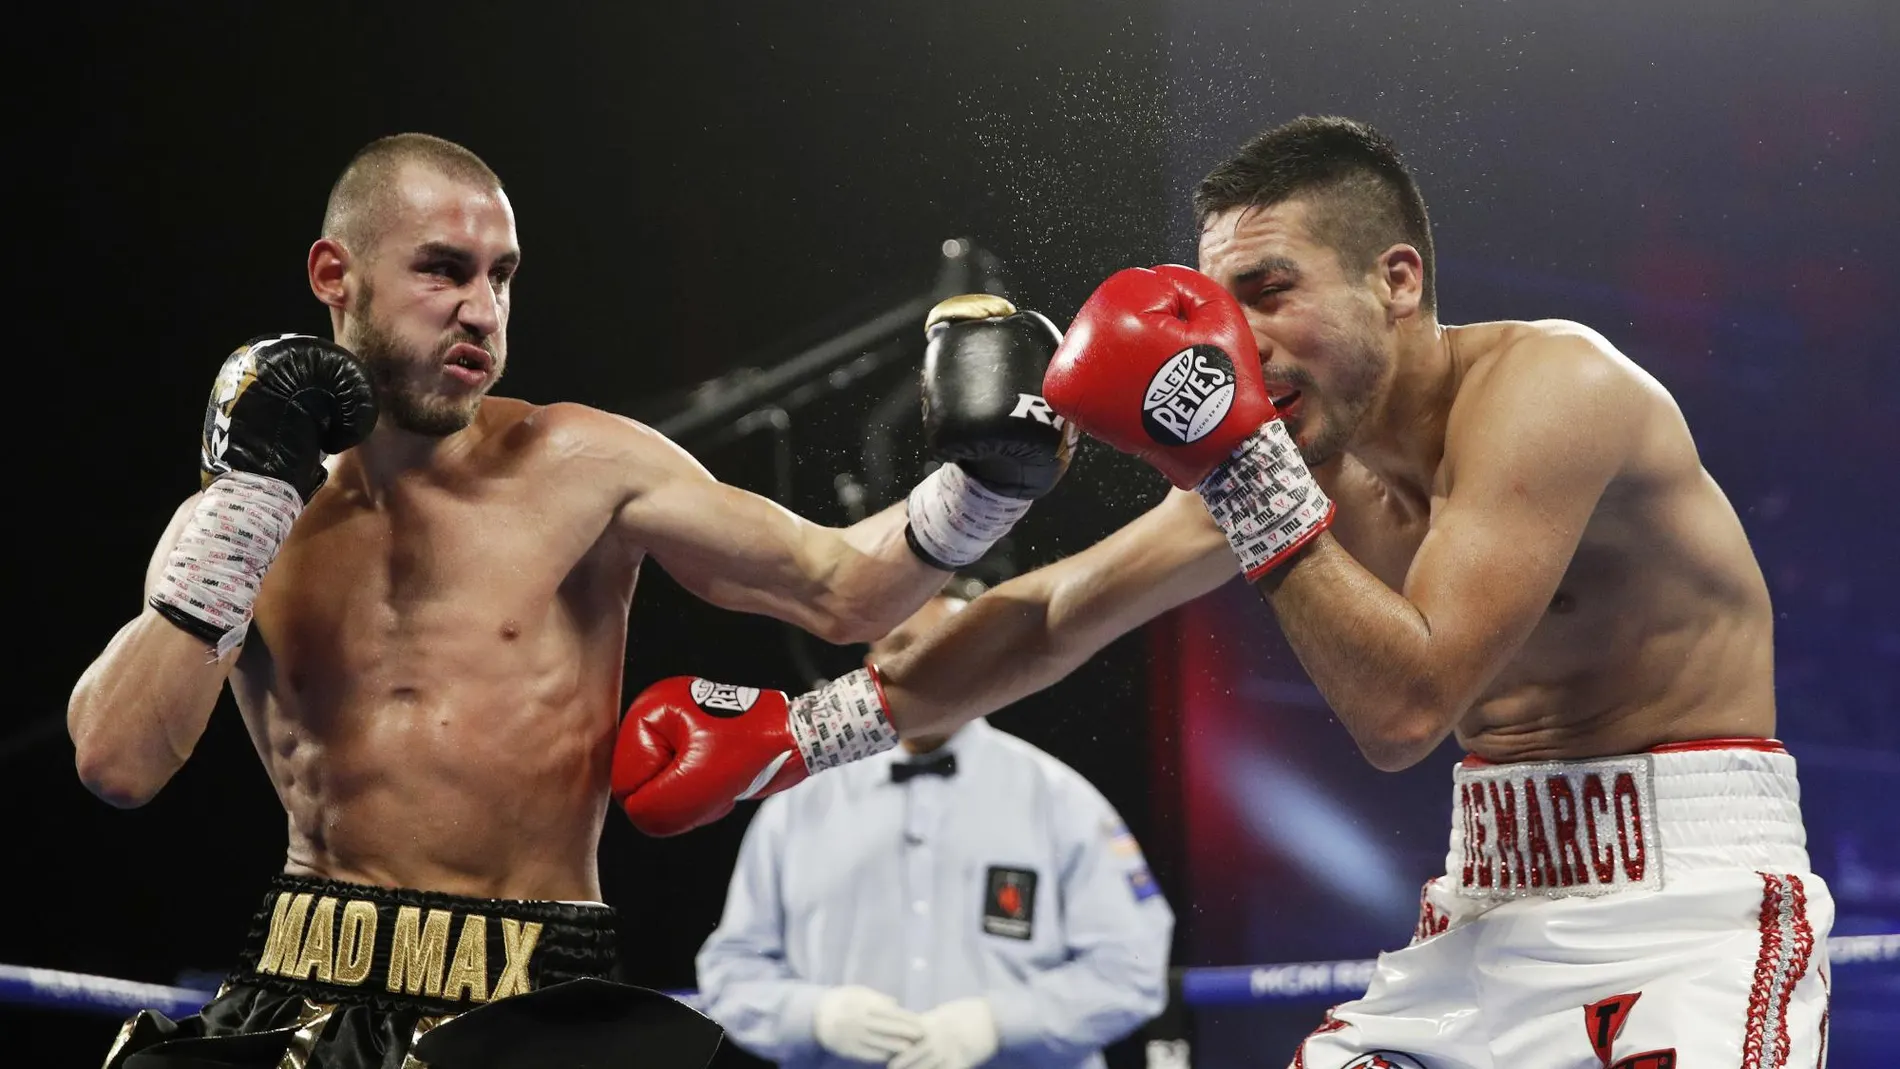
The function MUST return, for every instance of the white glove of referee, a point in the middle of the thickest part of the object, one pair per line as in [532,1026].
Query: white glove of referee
[960,1034]
[864,1025]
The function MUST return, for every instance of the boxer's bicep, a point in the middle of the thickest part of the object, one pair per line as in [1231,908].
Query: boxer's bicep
[741,551]
[715,540]
[1529,465]
[729,546]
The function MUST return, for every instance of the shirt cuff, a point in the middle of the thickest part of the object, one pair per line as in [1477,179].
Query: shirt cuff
[1015,1016]
[798,1014]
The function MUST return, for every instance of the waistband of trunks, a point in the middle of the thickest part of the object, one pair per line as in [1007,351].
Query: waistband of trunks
[345,942]
[1615,823]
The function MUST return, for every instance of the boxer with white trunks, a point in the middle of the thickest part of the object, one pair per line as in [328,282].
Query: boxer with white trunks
[1636,912]
[1499,532]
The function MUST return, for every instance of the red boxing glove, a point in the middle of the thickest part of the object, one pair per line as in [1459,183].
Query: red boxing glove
[690,749]
[1160,362]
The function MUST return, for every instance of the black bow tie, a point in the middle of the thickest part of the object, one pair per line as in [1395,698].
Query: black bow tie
[941,765]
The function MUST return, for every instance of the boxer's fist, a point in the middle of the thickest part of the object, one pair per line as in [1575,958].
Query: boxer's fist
[279,404]
[982,395]
[984,415]
[689,749]
[1160,363]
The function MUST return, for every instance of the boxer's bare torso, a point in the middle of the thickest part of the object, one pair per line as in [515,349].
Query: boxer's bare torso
[1660,629]
[433,675]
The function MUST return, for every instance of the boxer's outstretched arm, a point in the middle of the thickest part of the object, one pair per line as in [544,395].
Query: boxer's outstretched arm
[1529,457]
[741,551]
[688,749]
[1035,629]
[140,707]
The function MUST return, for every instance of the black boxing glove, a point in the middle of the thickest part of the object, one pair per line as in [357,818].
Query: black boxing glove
[280,403]
[984,416]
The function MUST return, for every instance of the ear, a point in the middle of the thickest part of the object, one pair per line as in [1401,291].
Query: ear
[1399,274]
[329,267]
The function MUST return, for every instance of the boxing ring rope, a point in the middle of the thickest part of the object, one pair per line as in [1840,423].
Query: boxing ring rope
[1198,987]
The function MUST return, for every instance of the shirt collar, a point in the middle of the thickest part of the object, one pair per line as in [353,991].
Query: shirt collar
[971,735]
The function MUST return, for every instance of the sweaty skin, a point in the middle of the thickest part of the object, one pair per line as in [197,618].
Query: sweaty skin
[433,673]
[1527,554]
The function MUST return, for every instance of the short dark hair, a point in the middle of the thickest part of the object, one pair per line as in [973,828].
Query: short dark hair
[1364,199]
[359,205]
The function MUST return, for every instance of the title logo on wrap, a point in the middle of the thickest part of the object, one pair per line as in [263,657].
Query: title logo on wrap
[1188,396]
[723,699]
[237,374]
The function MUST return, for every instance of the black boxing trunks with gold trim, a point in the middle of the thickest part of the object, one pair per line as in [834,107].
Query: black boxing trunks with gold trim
[344,976]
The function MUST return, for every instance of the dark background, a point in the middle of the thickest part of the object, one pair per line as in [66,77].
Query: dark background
[702,188]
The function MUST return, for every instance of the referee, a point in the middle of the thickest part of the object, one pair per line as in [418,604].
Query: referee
[952,903]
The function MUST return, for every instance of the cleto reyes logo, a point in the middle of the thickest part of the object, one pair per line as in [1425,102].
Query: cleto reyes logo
[723,699]
[1188,396]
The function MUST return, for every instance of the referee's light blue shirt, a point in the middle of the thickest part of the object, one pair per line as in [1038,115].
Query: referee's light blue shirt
[1014,879]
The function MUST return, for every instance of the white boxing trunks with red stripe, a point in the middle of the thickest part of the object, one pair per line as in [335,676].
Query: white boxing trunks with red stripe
[1641,912]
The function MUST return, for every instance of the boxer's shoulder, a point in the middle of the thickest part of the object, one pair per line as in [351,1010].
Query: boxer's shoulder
[1536,394]
[1548,366]
[519,425]
[570,434]
[1542,355]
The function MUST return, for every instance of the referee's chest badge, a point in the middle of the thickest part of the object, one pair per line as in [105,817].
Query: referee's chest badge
[1009,905]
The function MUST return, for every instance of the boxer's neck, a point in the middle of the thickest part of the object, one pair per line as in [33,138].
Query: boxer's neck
[1402,438]
[390,453]
[924,744]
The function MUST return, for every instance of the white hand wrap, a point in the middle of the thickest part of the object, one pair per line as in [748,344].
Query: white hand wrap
[955,519]
[842,721]
[218,564]
[1265,500]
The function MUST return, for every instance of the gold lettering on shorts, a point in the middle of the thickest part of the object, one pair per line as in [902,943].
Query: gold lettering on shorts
[416,956]
[274,943]
[518,940]
[286,932]
[313,962]
[468,973]
[356,943]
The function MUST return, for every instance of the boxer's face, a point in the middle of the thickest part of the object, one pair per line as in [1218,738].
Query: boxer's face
[1324,348]
[429,315]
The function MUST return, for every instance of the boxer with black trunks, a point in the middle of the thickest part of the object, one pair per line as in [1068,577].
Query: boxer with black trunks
[1496,531]
[425,632]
